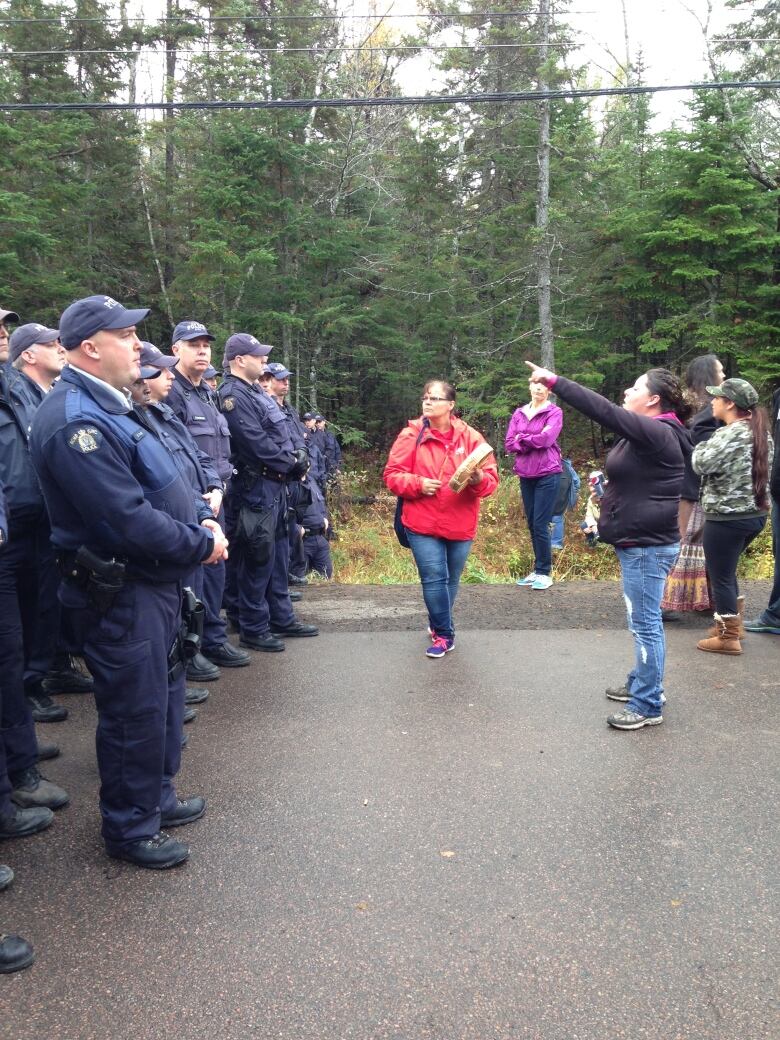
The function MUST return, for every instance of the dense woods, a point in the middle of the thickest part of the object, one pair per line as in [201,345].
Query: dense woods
[379,246]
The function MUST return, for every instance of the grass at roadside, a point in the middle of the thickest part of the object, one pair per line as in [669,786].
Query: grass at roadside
[367,551]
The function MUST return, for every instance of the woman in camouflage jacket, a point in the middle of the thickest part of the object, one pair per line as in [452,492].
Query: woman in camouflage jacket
[734,465]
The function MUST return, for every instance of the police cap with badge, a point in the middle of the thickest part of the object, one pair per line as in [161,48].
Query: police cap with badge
[27,336]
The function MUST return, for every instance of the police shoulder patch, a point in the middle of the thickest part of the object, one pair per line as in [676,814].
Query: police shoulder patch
[228,404]
[85,439]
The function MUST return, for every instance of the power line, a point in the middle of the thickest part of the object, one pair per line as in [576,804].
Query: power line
[311,49]
[432,15]
[377,102]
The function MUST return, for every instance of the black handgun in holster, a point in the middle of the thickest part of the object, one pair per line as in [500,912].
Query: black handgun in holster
[190,636]
[102,578]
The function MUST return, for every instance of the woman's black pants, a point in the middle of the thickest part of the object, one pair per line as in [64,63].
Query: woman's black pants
[724,542]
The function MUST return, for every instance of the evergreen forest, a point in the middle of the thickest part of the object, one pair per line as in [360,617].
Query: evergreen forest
[377,246]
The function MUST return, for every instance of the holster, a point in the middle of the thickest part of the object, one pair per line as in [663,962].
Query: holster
[189,637]
[101,578]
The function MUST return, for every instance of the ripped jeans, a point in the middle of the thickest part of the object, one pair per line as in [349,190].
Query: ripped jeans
[644,570]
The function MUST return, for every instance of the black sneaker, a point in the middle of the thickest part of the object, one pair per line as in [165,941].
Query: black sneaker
[187,810]
[44,709]
[195,695]
[227,655]
[30,790]
[24,822]
[15,954]
[157,853]
[618,693]
[265,642]
[295,628]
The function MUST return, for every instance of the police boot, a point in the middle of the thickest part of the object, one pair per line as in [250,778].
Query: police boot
[726,640]
[190,714]
[157,853]
[6,876]
[295,579]
[294,595]
[195,695]
[47,751]
[227,655]
[15,954]
[30,790]
[42,706]
[22,822]
[66,677]
[199,669]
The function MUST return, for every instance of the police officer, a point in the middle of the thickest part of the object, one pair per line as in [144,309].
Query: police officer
[19,575]
[193,402]
[313,518]
[197,467]
[6,318]
[124,524]
[36,359]
[279,386]
[15,953]
[265,459]
[331,447]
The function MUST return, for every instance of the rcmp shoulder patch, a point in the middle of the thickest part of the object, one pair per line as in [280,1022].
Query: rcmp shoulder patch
[228,404]
[85,439]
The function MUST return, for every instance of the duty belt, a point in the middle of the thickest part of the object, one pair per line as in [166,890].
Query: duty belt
[311,531]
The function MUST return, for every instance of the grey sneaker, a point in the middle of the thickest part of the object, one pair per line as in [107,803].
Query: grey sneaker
[628,719]
[618,693]
[759,625]
[32,791]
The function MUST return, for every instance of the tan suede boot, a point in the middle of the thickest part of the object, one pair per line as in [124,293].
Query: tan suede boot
[714,630]
[726,641]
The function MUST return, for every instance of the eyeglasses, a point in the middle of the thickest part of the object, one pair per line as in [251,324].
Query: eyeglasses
[427,397]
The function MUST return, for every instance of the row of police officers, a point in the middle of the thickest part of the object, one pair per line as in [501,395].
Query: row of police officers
[121,469]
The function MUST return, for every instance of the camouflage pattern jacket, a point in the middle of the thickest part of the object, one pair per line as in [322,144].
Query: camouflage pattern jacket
[725,463]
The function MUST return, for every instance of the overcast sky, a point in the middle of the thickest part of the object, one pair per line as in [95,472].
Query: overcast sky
[664,30]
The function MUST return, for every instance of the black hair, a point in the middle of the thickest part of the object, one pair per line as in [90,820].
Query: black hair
[670,392]
[701,373]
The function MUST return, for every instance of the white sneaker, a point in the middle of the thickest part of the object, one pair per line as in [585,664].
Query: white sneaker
[529,579]
[543,581]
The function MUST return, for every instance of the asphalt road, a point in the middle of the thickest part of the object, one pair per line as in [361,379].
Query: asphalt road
[410,849]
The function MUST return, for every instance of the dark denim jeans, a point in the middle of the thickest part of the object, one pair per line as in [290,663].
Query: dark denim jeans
[644,570]
[771,615]
[440,563]
[539,495]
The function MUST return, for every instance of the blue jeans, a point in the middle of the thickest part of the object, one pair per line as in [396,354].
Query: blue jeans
[440,563]
[539,495]
[556,531]
[771,615]
[644,570]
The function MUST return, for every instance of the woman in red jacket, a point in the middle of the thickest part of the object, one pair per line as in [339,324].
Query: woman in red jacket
[440,523]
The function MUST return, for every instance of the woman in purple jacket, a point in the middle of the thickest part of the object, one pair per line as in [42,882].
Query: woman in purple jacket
[532,438]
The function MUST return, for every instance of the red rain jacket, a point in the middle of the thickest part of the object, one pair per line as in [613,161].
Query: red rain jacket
[445,514]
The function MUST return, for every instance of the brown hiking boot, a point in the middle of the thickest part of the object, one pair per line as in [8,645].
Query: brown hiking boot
[726,641]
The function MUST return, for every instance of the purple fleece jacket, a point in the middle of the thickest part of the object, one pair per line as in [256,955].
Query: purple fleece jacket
[533,440]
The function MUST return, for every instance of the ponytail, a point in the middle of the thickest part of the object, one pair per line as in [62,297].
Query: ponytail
[759,424]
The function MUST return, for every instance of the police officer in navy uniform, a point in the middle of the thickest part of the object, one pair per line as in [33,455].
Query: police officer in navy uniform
[19,576]
[197,467]
[125,528]
[15,952]
[194,403]
[265,459]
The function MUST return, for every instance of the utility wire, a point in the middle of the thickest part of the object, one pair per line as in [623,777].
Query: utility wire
[444,15]
[377,102]
[311,49]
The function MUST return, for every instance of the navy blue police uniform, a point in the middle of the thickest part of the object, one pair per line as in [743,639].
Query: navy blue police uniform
[26,518]
[312,518]
[264,458]
[196,407]
[6,806]
[112,488]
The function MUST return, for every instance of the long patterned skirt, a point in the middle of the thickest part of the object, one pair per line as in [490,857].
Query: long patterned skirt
[687,587]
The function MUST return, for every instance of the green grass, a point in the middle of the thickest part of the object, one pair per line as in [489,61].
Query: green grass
[367,551]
